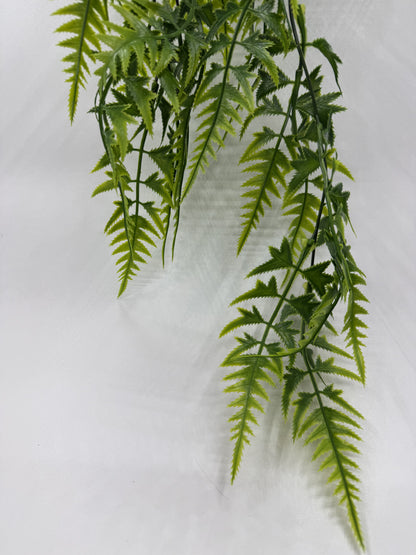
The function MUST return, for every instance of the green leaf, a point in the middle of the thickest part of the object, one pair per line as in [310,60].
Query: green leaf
[104,187]
[338,166]
[317,277]
[325,48]
[142,97]
[304,210]
[301,404]
[353,324]
[320,315]
[321,342]
[281,258]
[292,380]
[303,167]
[120,119]
[194,46]
[261,290]
[247,318]
[324,104]
[328,367]
[158,185]
[258,49]
[336,396]
[244,78]
[305,305]
[103,162]
[171,88]
[268,171]
[118,213]
[248,385]
[163,158]
[327,428]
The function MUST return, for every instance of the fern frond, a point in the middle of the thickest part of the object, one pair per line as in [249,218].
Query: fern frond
[261,290]
[132,246]
[318,278]
[322,343]
[328,428]
[319,316]
[219,116]
[292,378]
[323,105]
[257,366]
[150,49]
[111,184]
[353,324]
[142,97]
[248,386]
[280,258]
[303,209]
[86,25]
[120,118]
[259,49]
[270,167]
[221,111]
[328,367]
[247,318]
[304,167]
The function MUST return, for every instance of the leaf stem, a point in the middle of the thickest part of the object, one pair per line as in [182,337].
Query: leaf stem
[108,149]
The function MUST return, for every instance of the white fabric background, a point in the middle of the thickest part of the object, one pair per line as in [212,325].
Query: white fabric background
[113,425]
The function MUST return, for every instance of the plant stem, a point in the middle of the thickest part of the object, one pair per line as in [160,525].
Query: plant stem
[108,149]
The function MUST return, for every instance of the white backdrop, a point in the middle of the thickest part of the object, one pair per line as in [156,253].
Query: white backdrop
[113,425]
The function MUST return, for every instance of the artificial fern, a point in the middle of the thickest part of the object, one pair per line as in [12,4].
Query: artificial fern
[167,65]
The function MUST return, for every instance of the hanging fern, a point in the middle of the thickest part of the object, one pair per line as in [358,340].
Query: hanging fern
[167,66]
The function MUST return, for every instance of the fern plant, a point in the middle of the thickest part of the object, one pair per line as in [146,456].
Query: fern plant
[164,65]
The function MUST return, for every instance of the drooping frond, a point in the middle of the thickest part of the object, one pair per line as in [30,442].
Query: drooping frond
[88,20]
[333,431]
[221,101]
[133,243]
[353,323]
[252,355]
[248,385]
[269,166]
[218,115]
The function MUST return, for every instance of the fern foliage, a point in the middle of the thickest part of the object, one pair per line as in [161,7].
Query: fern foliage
[285,333]
[175,79]
[87,20]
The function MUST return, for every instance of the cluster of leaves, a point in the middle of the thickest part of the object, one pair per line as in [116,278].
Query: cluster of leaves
[165,64]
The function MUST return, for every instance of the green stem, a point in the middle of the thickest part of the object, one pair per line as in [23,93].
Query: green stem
[101,119]
[183,162]
[138,176]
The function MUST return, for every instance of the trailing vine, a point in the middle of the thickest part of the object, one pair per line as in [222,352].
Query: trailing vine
[164,65]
